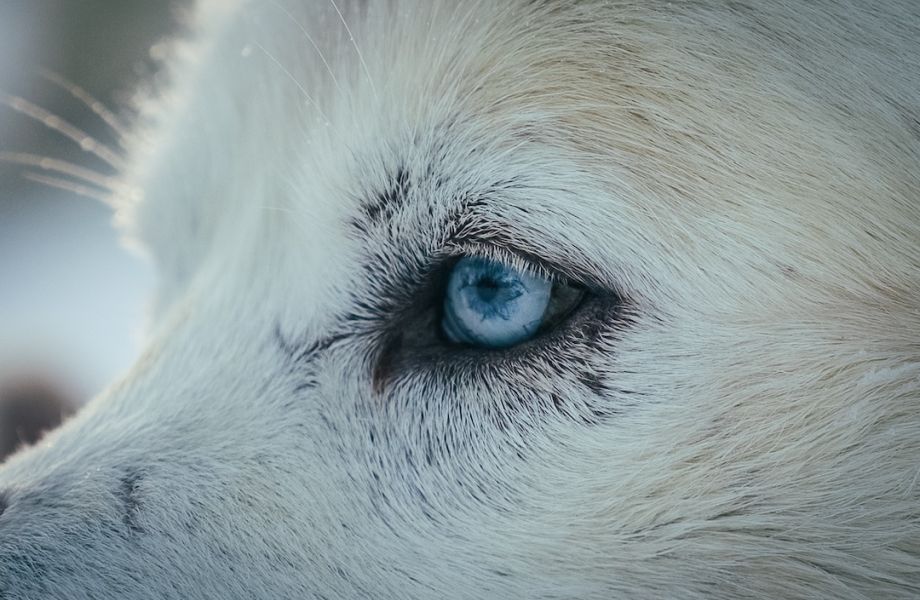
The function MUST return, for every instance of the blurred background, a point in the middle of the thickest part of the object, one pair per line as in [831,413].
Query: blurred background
[71,298]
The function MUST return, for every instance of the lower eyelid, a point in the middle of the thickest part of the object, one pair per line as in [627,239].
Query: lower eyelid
[596,322]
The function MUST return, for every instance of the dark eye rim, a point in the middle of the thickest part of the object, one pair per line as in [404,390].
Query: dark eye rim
[408,337]
[429,300]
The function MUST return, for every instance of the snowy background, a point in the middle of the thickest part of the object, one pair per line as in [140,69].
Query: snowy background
[71,298]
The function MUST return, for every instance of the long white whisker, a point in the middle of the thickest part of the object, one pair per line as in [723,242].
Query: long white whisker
[62,167]
[281,209]
[351,38]
[55,123]
[97,107]
[71,186]
[294,80]
[312,43]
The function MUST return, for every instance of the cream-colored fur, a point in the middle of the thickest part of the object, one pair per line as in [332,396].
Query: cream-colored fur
[743,423]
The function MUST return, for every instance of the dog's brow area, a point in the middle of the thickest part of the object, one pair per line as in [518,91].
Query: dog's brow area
[484,156]
[478,219]
[478,158]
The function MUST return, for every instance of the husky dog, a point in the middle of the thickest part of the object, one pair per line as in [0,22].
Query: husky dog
[508,299]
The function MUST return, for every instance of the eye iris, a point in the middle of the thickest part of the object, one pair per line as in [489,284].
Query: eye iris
[490,304]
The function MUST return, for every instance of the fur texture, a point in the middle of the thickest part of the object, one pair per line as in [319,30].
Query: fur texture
[733,414]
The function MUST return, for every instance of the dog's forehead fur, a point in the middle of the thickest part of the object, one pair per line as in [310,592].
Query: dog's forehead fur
[745,424]
[624,94]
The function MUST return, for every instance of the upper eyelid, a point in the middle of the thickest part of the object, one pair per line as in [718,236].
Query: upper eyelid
[507,249]
[505,255]
[471,230]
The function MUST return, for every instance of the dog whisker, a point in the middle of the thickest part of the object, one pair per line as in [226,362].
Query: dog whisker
[62,167]
[294,80]
[351,38]
[90,101]
[71,186]
[313,43]
[59,125]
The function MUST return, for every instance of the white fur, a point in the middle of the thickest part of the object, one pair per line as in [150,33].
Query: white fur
[745,174]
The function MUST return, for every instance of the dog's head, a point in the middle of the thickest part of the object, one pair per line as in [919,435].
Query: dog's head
[718,397]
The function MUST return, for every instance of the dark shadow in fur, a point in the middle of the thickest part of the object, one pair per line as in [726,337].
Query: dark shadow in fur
[127,493]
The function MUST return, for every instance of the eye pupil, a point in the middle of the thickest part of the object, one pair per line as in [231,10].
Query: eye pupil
[491,291]
[488,290]
[488,294]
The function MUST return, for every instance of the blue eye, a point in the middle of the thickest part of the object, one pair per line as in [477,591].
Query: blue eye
[491,305]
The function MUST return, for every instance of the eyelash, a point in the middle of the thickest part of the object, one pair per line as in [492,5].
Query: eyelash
[502,255]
